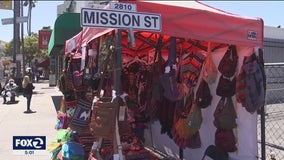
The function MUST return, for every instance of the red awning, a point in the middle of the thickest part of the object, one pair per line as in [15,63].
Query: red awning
[195,20]
[44,63]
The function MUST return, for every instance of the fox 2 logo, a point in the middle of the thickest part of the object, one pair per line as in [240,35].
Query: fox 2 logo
[29,142]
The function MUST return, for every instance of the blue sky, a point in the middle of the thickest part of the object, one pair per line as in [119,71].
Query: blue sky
[270,11]
[44,14]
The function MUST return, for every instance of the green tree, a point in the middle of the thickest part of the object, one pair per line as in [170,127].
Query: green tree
[31,50]
[8,49]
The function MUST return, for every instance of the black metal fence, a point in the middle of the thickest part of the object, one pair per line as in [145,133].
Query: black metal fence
[271,120]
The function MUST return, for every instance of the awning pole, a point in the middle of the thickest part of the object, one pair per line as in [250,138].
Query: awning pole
[180,153]
[118,63]
[117,86]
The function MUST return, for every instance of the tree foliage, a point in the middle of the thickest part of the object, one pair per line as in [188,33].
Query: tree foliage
[8,49]
[31,49]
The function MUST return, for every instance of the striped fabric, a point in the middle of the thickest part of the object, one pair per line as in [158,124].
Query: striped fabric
[193,65]
[82,113]
[240,86]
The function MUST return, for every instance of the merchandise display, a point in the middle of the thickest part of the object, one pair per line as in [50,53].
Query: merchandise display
[177,93]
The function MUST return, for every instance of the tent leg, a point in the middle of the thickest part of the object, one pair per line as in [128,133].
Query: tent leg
[262,117]
[118,63]
[180,153]
[117,86]
[98,149]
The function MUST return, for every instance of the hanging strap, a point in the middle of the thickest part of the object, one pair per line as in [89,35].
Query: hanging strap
[156,55]
[119,146]
[107,61]
[99,90]
[172,52]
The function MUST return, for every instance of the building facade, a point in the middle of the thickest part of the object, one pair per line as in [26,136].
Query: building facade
[273,44]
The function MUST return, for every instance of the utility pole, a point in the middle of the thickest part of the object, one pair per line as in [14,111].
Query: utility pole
[16,39]
[22,38]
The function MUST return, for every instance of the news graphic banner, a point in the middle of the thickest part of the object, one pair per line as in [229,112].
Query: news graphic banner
[120,19]
[29,145]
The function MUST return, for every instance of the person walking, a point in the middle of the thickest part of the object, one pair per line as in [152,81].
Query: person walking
[28,92]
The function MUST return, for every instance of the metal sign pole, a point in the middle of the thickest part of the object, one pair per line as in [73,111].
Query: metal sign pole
[16,47]
[22,38]
[14,38]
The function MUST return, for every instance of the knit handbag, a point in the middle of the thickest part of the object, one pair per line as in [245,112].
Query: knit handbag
[229,62]
[226,86]
[169,83]
[103,119]
[194,118]
[203,95]
[225,140]
[182,129]
[209,70]
[225,114]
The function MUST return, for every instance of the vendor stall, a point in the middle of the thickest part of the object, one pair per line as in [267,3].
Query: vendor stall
[173,81]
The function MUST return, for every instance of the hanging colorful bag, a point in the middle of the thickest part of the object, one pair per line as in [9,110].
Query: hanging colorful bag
[225,114]
[225,140]
[78,78]
[194,118]
[169,84]
[226,86]
[209,70]
[62,121]
[255,86]
[203,95]
[229,62]
[73,151]
[182,129]
[103,119]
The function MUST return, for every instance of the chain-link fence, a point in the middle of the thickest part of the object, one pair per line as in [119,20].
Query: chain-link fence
[273,115]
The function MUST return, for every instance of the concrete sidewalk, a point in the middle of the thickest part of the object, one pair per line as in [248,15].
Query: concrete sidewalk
[13,122]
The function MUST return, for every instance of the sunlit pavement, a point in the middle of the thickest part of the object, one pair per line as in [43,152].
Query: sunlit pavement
[14,122]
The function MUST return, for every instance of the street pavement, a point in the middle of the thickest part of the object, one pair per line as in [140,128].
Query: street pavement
[14,122]
[45,100]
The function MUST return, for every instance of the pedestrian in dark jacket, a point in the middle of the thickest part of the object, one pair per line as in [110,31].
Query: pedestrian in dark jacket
[28,92]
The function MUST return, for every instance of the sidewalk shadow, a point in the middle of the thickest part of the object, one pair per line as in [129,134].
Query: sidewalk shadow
[36,92]
[56,101]
[29,112]
[9,102]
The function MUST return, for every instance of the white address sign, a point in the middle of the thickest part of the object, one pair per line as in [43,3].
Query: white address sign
[119,19]
[128,7]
